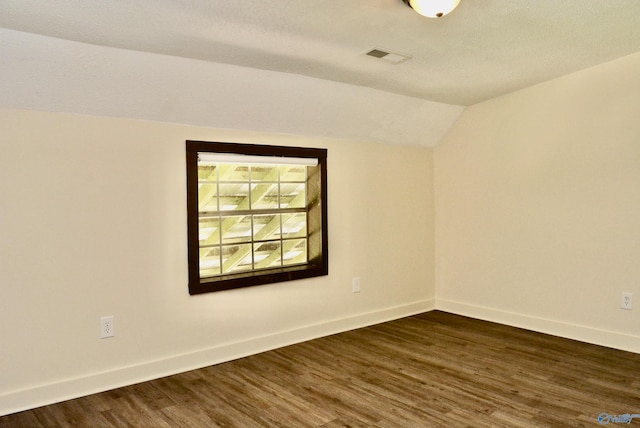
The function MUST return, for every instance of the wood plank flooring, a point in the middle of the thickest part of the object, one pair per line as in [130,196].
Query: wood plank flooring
[430,370]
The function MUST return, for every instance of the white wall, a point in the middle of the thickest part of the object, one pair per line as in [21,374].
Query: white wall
[538,207]
[93,223]
[93,213]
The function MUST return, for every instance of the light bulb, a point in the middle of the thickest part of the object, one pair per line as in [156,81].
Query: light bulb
[433,8]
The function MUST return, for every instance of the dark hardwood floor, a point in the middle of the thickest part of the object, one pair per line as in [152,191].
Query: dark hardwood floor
[429,370]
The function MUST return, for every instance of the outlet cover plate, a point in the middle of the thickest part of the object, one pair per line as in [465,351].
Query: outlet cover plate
[627,301]
[106,327]
[355,285]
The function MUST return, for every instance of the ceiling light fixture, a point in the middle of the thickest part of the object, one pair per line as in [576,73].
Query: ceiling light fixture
[432,8]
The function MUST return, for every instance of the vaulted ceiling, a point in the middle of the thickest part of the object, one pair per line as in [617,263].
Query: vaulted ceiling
[483,49]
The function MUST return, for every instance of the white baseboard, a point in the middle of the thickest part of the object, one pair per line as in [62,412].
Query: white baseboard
[611,339]
[67,389]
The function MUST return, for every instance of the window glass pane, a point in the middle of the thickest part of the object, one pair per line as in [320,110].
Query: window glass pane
[207,171]
[292,195]
[234,196]
[294,225]
[208,231]
[236,229]
[294,252]
[207,197]
[236,258]
[209,261]
[267,254]
[264,173]
[293,173]
[233,172]
[264,196]
[266,227]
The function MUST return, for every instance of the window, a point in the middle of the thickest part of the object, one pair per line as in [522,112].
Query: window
[256,214]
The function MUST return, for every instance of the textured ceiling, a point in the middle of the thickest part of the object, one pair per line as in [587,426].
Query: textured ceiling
[485,48]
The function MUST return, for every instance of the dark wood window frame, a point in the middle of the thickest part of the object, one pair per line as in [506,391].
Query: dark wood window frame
[318,263]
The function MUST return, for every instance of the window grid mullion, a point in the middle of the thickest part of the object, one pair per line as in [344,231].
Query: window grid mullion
[219,218]
[280,216]
[253,248]
[306,208]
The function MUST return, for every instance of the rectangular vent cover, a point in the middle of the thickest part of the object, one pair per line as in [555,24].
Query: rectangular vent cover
[392,57]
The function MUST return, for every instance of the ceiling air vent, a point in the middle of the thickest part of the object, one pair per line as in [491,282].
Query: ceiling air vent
[392,57]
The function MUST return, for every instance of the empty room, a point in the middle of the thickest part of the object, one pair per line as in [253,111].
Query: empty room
[363,213]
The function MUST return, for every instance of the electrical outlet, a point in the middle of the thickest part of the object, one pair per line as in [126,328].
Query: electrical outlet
[627,301]
[106,327]
[355,285]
